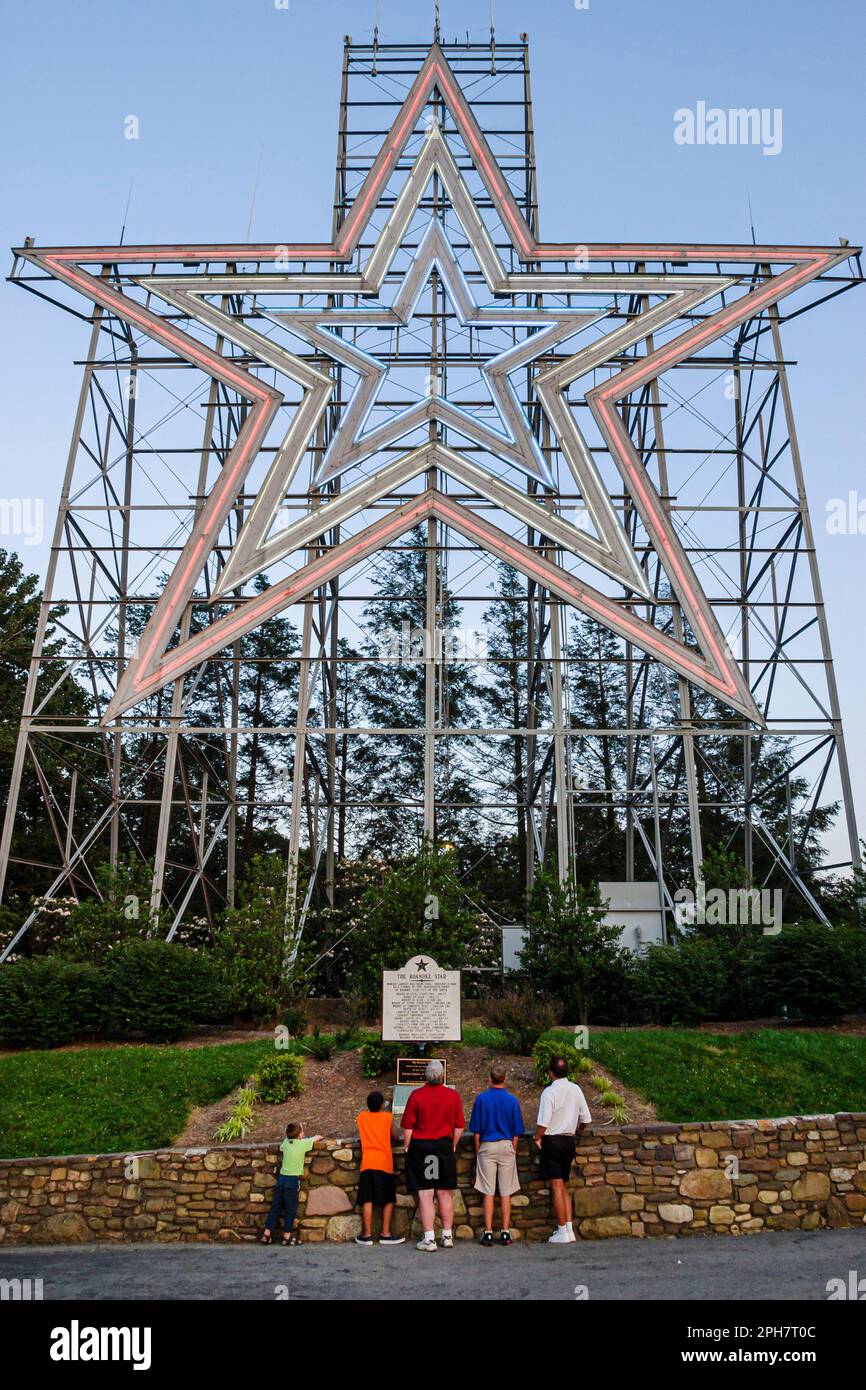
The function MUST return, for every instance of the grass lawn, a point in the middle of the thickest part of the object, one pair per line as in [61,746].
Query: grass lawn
[127,1099]
[113,1099]
[742,1076]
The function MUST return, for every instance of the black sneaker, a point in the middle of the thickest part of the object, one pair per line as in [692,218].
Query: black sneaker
[505,1238]
[487,1238]
[392,1240]
[364,1240]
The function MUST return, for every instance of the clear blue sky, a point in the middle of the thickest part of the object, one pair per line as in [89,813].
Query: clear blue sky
[212,81]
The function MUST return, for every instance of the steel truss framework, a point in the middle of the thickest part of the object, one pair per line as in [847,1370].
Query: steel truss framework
[613,422]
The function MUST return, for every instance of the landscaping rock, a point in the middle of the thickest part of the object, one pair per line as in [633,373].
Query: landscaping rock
[594,1201]
[677,1213]
[706,1182]
[812,1187]
[63,1226]
[327,1201]
[600,1227]
[343,1228]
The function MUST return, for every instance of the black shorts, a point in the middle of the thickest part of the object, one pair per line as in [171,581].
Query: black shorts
[376,1187]
[557,1155]
[430,1163]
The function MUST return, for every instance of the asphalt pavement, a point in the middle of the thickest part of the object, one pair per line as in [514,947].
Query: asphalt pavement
[786,1265]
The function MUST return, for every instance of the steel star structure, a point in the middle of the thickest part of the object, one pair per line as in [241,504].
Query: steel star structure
[300,347]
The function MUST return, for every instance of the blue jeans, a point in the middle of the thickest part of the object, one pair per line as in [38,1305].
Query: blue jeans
[285,1202]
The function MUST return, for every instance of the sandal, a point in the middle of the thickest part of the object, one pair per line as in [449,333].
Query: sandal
[265,1238]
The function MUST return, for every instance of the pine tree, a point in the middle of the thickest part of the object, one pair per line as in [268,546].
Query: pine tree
[503,699]
[36,855]
[389,770]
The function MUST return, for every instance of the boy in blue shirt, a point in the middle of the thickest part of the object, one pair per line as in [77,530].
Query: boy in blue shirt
[497,1124]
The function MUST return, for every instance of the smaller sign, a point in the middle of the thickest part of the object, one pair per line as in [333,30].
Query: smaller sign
[401,1097]
[410,1070]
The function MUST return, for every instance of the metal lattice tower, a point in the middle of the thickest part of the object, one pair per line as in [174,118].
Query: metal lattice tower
[157,426]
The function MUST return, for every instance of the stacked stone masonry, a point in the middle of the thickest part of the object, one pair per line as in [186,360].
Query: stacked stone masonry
[637,1180]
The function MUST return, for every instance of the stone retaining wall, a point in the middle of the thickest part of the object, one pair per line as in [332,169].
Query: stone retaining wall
[637,1180]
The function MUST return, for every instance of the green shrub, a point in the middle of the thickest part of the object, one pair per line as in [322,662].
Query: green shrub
[395,913]
[319,1045]
[280,1077]
[684,984]
[252,941]
[48,1001]
[809,972]
[240,1118]
[378,1057]
[360,1009]
[161,991]
[522,1017]
[573,955]
[546,1049]
[294,1018]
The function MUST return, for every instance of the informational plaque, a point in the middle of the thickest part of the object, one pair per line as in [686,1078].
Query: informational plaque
[410,1070]
[421,1003]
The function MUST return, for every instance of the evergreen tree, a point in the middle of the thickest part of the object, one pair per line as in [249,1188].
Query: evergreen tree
[268,682]
[417,907]
[36,854]
[390,770]
[572,955]
[503,701]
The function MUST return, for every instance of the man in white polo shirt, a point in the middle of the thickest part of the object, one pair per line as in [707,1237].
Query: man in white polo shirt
[562,1114]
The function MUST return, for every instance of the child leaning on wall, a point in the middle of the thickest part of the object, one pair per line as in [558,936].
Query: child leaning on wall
[293,1150]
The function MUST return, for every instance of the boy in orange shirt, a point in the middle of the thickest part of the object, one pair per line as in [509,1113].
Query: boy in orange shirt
[377,1186]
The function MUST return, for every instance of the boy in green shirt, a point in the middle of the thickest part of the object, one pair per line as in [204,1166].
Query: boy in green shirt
[294,1150]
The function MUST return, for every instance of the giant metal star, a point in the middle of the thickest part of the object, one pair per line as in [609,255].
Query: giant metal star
[712,666]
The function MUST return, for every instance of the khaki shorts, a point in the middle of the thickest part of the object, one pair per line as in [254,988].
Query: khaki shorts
[497,1168]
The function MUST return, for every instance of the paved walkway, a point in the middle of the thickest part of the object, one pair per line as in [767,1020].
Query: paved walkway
[786,1265]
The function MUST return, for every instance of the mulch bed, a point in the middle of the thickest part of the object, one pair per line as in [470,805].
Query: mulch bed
[335,1091]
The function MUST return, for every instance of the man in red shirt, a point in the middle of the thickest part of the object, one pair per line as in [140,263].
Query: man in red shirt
[432,1125]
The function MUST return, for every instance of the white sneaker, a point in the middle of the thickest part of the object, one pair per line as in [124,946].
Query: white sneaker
[447,1242]
[570,1229]
[560,1237]
[427,1245]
